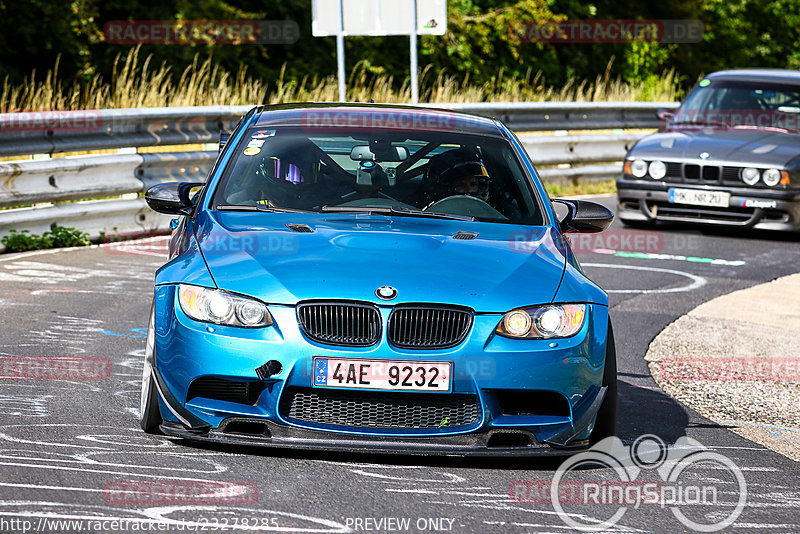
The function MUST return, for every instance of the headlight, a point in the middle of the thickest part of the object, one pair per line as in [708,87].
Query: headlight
[771,177]
[638,168]
[543,322]
[220,307]
[750,176]
[658,170]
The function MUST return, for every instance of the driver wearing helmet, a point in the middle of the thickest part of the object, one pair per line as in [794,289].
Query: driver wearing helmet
[458,172]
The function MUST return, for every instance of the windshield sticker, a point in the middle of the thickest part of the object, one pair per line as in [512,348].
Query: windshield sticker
[705,83]
[257,143]
[263,134]
[251,151]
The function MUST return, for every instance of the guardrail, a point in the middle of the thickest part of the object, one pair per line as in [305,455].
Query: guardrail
[69,181]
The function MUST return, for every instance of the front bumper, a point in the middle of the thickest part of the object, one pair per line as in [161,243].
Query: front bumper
[510,442]
[186,350]
[761,209]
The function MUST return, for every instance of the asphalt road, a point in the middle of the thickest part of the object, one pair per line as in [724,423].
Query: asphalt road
[68,446]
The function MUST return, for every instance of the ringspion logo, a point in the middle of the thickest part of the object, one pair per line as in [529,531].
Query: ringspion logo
[704,490]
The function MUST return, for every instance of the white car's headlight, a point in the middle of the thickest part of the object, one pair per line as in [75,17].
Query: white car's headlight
[750,176]
[657,170]
[638,168]
[771,177]
[220,307]
[543,322]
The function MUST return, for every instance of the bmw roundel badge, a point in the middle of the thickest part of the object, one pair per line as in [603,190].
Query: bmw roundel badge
[386,292]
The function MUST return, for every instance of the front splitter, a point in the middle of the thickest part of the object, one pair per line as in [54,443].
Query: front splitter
[280,436]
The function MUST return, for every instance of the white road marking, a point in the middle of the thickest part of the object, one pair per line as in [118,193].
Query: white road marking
[24,406]
[400,490]
[696,281]
[453,478]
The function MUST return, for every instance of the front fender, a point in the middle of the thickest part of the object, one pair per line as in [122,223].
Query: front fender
[189,266]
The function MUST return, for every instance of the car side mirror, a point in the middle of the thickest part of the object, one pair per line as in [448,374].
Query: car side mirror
[665,114]
[173,198]
[665,117]
[584,216]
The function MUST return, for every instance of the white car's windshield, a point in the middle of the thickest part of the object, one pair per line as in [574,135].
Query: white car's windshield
[732,104]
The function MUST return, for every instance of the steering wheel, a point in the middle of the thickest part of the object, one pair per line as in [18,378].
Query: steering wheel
[465,205]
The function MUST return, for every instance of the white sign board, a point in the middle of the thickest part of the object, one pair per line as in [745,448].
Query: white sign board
[378,17]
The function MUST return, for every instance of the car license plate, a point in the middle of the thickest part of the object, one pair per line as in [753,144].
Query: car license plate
[698,197]
[382,374]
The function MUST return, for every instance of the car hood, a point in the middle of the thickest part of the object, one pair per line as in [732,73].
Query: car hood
[744,147]
[350,256]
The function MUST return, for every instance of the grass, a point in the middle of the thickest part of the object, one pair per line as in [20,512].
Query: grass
[581,188]
[57,237]
[140,82]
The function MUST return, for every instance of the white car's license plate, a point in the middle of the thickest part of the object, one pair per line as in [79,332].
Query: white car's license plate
[698,197]
[382,374]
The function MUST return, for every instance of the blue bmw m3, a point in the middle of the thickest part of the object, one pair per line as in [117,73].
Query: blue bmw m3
[377,278]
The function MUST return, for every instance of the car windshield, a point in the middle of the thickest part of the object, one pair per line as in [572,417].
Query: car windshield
[735,104]
[413,173]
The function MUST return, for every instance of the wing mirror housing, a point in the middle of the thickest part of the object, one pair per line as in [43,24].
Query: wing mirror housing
[584,216]
[172,198]
[665,116]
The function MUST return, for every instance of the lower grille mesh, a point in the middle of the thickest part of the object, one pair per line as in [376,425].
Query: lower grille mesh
[379,410]
[225,390]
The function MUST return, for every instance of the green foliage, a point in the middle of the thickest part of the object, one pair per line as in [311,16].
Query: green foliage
[603,187]
[751,33]
[480,49]
[57,237]
[482,38]
[61,237]
[23,240]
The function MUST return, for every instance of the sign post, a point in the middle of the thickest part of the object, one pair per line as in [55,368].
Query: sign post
[340,53]
[413,67]
[341,18]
